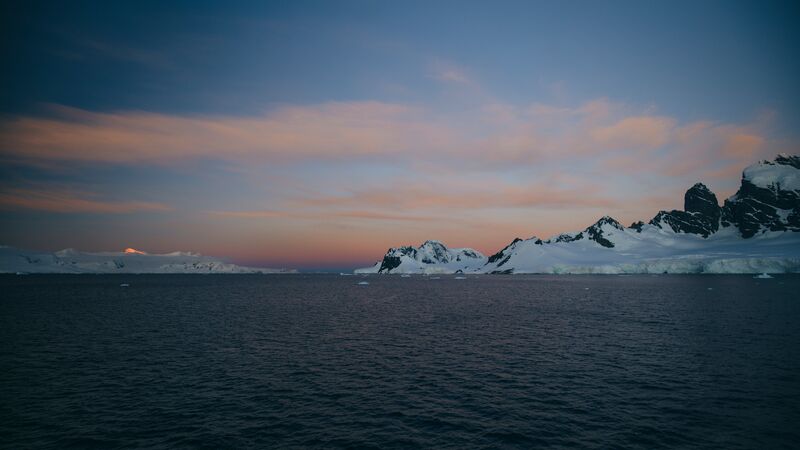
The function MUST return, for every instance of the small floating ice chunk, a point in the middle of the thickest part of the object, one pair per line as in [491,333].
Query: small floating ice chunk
[124,285]
[460,278]
[763,276]
[363,283]
[405,275]
[710,289]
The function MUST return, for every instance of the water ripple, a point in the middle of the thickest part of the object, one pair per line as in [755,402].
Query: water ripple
[314,361]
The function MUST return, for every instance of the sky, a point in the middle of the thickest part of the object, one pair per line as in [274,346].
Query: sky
[316,135]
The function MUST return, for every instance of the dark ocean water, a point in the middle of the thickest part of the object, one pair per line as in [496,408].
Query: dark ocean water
[318,361]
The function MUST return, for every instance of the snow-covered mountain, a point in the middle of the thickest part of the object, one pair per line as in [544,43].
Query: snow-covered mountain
[756,230]
[768,199]
[430,257]
[608,247]
[14,260]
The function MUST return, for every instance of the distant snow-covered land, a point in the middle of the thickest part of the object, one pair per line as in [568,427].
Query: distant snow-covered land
[14,260]
[757,230]
[430,257]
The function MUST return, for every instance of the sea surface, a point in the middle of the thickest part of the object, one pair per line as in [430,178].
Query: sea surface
[319,361]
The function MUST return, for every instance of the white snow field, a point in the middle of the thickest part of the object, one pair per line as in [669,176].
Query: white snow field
[655,250]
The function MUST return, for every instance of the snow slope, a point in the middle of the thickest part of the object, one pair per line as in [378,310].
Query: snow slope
[14,260]
[655,250]
[780,174]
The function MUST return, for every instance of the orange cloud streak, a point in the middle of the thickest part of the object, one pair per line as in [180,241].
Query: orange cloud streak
[70,202]
[494,134]
[488,196]
[642,132]
[333,130]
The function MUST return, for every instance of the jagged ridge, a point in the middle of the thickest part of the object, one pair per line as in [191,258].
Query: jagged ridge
[695,239]
[430,256]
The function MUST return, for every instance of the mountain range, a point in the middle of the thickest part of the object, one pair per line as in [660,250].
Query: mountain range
[755,230]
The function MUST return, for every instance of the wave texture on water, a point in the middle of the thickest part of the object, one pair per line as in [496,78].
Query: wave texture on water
[319,361]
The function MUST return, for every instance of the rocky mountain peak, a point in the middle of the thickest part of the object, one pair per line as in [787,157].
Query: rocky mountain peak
[638,226]
[788,160]
[768,198]
[504,253]
[429,253]
[607,220]
[599,232]
[433,252]
[701,213]
[699,199]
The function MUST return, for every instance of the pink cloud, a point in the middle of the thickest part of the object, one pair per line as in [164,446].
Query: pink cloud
[65,201]
[490,136]
[640,132]
[550,168]
[320,215]
[485,196]
[743,145]
[328,131]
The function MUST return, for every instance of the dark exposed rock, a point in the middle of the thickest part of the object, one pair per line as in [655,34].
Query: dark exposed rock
[430,252]
[597,234]
[638,226]
[700,201]
[392,258]
[497,256]
[440,254]
[607,220]
[505,260]
[684,222]
[594,233]
[598,237]
[408,251]
[701,214]
[566,237]
[467,253]
[755,209]
[788,160]
[389,263]
[505,254]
